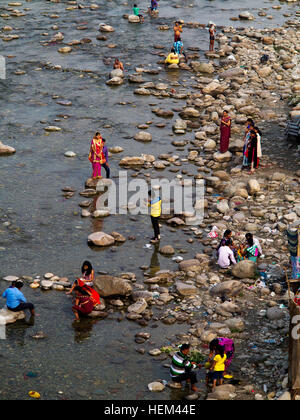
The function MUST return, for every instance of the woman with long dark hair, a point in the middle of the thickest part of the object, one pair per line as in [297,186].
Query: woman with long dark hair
[84,303]
[88,274]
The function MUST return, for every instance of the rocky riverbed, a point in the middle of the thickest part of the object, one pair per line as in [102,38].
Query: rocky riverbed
[158,123]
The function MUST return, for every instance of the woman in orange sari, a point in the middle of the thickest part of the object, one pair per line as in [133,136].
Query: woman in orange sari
[225,129]
[96,156]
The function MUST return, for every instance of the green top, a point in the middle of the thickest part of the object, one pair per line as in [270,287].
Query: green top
[136,11]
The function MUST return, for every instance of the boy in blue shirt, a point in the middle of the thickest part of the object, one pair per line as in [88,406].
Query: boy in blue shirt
[15,300]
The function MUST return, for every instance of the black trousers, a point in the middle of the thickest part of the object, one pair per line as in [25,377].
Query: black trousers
[155,224]
[22,307]
[107,169]
[185,376]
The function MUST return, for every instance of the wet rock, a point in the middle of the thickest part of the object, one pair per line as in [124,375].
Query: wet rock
[116,73]
[106,28]
[70,154]
[115,81]
[143,137]
[190,265]
[167,250]
[101,239]
[156,387]
[65,50]
[133,19]
[132,161]
[246,16]
[118,237]
[52,128]
[10,278]
[180,127]
[9,317]
[6,150]
[138,307]
[222,157]
[202,67]
[101,213]
[110,286]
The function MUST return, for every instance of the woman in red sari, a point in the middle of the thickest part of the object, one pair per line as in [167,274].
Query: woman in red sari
[96,156]
[225,129]
[94,296]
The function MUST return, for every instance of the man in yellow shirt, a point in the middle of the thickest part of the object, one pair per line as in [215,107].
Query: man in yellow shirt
[155,204]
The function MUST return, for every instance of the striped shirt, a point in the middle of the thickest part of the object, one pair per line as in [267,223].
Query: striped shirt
[180,363]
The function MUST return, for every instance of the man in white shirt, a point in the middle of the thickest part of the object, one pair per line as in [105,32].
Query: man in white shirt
[225,257]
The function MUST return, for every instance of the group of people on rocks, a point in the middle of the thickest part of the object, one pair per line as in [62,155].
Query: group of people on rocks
[252,150]
[177,49]
[217,365]
[229,254]
[151,9]
[86,297]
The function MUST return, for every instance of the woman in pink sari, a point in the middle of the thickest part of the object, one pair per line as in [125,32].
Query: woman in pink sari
[225,129]
[96,156]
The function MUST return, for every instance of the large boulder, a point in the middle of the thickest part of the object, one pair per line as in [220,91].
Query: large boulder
[244,269]
[138,307]
[275,313]
[133,19]
[9,317]
[202,67]
[143,136]
[190,265]
[116,73]
[186,289]
[111,286]
[215,88]
[253,186]
[222,157]
[101,239]
[229,288]
[115,81]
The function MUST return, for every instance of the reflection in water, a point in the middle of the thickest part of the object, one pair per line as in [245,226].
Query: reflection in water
[154,264]
[83,329]
[16,333]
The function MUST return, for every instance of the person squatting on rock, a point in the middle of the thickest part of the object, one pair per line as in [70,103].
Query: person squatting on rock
[15,300]
[181,368]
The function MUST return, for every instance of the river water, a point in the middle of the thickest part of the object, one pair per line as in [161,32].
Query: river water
[46,233]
